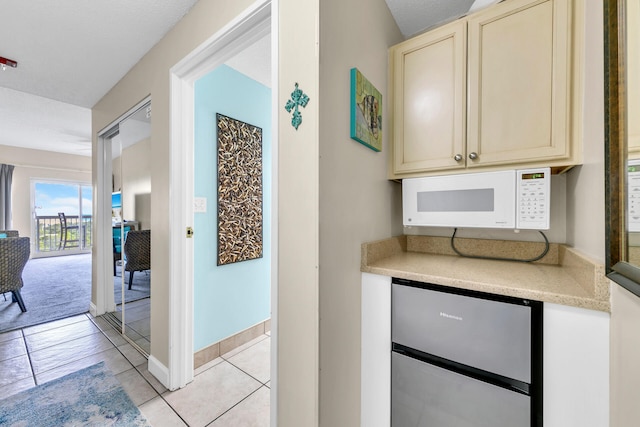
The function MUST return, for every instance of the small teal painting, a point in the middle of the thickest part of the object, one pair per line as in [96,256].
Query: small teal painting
[366,112]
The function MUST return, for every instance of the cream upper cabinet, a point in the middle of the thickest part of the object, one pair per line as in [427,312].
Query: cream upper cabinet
[512,105]
[519,82]
[429,102]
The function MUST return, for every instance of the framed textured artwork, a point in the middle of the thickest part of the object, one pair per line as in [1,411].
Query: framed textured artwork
[366,111]
[239,190]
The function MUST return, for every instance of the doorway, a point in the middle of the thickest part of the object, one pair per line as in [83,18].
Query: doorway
[232,177]
[242,32]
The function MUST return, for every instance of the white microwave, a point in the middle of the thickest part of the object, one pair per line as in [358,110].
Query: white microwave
[518,199]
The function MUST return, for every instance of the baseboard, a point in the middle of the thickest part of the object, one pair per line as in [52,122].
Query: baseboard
[215,350]
[93,310]
[159,371]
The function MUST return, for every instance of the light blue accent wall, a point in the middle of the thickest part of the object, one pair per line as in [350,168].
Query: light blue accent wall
[232,297]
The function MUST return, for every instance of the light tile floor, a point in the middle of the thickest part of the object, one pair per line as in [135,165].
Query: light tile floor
[138,322]
[232,390]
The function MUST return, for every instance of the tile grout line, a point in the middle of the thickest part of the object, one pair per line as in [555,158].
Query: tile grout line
[75,337]
[261,384]
[172,408]
[237,403]
[158,394]
[228,360]
[161,395]
[138,369]
[69,362]
[247,373]
[115,347]
[64,364]
[33,374]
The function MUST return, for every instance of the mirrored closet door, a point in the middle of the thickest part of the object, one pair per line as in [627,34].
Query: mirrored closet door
[131,223]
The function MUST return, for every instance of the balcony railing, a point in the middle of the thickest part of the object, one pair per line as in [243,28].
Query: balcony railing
[48,233]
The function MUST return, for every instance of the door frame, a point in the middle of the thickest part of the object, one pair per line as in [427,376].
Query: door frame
[254,23]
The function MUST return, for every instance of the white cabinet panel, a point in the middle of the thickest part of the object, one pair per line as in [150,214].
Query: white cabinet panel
[575,361]
[576,367]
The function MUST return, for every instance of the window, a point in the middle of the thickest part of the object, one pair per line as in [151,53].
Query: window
[74,200]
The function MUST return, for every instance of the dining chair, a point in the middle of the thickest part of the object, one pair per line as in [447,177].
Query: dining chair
[14,254]
[137,252]
[65,229]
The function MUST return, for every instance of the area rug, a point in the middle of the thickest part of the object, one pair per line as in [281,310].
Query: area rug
[90,397]
[59,287]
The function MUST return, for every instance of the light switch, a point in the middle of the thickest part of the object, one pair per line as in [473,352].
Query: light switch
[199,204]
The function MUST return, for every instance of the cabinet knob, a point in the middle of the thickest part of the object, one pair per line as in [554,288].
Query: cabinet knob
[457,157]
[473,155]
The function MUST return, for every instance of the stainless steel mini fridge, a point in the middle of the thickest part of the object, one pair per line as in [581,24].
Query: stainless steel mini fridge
[464,358]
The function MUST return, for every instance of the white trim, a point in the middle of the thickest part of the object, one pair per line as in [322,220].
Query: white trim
[130,112]
[102,230]
[93,310]
[575,341]
[243,31]
[180,369]
[51,168]
[375,354]
[158,370]
[253,24]
[275,117]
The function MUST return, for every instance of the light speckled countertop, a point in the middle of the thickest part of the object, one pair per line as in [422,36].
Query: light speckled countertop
[563,276]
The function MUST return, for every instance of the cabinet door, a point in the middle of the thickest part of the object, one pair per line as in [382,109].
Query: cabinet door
[519,83]
[429,100]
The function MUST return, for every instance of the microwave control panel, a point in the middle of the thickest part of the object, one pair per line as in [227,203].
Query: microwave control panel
[533,187]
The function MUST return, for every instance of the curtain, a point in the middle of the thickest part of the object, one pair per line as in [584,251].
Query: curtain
[6,176]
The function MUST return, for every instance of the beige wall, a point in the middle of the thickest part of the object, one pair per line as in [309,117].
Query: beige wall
[39,165]
[298,218]
[151,77]
[585,183]
[357,202]
[586,231]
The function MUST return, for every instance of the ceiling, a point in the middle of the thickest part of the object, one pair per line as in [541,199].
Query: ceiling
[70,53]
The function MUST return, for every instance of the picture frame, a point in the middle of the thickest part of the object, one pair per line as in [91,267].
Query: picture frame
[240,192]
[366,111]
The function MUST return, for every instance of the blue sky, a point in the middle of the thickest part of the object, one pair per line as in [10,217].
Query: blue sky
[52,198]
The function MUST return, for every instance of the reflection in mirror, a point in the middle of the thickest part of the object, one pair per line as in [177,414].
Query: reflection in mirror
[633,129]
[622,94]
[131,215]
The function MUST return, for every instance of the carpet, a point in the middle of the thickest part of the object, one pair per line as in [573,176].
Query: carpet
[140,288]
[89,397]
[59,287]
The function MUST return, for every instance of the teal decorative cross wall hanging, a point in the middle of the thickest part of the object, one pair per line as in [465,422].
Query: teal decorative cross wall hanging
[298,98]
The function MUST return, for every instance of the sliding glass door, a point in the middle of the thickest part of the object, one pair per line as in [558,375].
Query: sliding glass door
[62,217]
